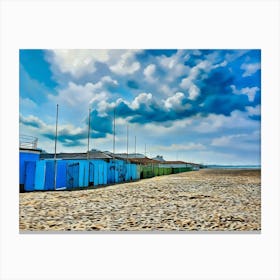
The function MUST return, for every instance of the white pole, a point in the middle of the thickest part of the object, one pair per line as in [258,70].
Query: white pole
[88,133]
[135,147]
[127,143]
[114,132]
[55,144]
[114,139]
[88,145]
[145,150]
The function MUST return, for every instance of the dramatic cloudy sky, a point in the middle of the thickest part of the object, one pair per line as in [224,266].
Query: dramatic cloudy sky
[194,105]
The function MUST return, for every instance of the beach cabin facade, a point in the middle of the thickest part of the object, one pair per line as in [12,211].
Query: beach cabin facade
[71,171]
[27,163]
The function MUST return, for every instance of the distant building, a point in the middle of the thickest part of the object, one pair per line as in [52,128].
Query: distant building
[159,158]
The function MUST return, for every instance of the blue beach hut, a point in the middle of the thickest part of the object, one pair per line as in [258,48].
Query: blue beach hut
[26,155]
[29,175]
[40,175]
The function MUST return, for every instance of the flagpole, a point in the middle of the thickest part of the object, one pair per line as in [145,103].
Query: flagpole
[145,150]
[88,145]
[88,133]
[135,147]
[55,144]
[114,139]
[114,132]
[127,143]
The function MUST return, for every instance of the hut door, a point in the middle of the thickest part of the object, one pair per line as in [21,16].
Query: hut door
[49,176]
[72,175]
[29,183]
[91,174]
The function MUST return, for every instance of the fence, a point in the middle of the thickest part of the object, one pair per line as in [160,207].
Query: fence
[28,142]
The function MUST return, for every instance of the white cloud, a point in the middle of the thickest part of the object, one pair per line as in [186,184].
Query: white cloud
[250,68]
[194,92]
[27,103]
[78,62]
[188,83]
[82,62]
[182,147]
[173,64]
[168,62]
[165,128]
[75,95]
[222,64]
[175,102]
[124,62]
[75,100]
[142,98]
[102,106]
[215,123]
[226,141]
[81,96]
[149,72]
[254,111]
[250,92]
[165,89]
[206,66]
[242,142]
[35,123]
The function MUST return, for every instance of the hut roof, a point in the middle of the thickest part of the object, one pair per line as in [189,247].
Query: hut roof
[173,162]
[144,161]
[29,150]
[92,155]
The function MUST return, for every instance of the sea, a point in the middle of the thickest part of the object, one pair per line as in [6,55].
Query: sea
[233,166]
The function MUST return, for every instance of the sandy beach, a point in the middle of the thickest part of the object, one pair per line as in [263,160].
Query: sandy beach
[205,200]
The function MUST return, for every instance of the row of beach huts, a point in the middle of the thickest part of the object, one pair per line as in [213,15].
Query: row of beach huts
[67,171]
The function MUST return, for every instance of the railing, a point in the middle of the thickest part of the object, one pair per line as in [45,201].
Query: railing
[28,142]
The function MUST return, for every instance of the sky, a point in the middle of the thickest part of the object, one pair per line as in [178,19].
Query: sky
[199,106]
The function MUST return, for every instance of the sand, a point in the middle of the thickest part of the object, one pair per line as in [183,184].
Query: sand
[205,200]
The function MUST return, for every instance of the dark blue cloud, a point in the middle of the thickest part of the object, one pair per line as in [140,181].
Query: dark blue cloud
[224,104]
[255,118]
[100,124]
[216,95]
[153,112]
[75,143]
[72,140]
[159,52]
[132,84]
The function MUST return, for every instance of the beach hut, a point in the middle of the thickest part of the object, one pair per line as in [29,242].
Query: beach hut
[40,175]
[134,172]
[61,174]
[72,174]
[27,155]
[98,172]
[111,172]
[49,175]
[29,175]
[174,167]
[83,169]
